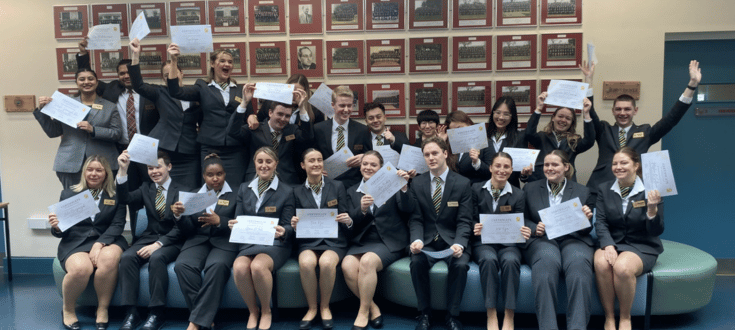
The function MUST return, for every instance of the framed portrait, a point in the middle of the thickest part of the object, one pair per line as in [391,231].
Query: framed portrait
[344,15]
[549,109]
[345,57]
[306,57]
[391,96]
[151,59]
[516,13]
[105,62]
[386,56]
[358,97]
[193,65]
[238,50]
[428,54]
[155,15]
[187,13]
[66,62]
[516,52]
[227,17]
[267,16]
[472,13]
[305,17]
[561,51]
[427,14]
[267,58]
[69,91]
[523,93]
[473,98]
[428,96]
[385,15]
[111,14]
[472,53]
[556,12]
[71,22]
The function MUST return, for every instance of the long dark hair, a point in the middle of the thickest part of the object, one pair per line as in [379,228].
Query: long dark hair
[511,131]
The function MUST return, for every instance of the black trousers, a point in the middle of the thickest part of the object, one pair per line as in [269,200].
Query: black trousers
[129,273]
[493,258]
[456,279]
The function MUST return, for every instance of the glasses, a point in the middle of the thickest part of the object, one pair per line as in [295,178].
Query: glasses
[501,114]
[427,124]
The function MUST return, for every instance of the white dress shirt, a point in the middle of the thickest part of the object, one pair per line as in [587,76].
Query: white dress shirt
[225,189]
[225,92]
[254,186]
[506,190]
[122,108]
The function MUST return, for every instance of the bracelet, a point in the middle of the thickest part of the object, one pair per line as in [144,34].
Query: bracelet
[692,88]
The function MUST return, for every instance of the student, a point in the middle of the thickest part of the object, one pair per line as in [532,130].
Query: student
[380,135]
[92,246]
[441,219]
[474,164]
[428,121]
[503,132]
[300,82]
[158,245]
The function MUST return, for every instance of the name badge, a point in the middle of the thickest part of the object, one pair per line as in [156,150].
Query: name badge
[223,202]
[150,106]
[332,203]
[97,106]
[270,209]
[638,204]
[358,147]
[506,208]
[238,99]
[638,135]
[109,202]
[452,204]
[290,137]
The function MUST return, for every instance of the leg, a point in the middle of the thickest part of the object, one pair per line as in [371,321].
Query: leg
[69,179]
[78,270]
[188,268]
[158,274]
[105,279]
[457,278]
[627,267]
[328,262]
[605,287]
[367,281]
[492,319]
[420,266]
[544,258]
[510,278]
[576,259]
[307,271]
[350,268]
[487,260]
[244,281]
[262,270]
[129,272]
[216,273]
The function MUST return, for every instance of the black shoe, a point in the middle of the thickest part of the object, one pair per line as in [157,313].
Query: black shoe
[101,325]
[130,322]
[377,322]
[453,323]
[154,322]
[305,325]
[73,326]
[424,323]
[328,324]
[354,327]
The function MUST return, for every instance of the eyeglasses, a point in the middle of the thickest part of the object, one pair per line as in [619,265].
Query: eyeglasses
[501,114]
[427,123]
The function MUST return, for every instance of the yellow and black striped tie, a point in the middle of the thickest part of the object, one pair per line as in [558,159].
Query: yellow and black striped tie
[380,140]
[498,135]
[496,193]
[340,138]
[274,140]
[437,197]
[555,188]
[621,138]
[96,193]
[160,202]
[316,187]
[625,191]
[263,186]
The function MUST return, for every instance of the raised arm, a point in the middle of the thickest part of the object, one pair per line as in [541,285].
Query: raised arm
[186,93]
[663,126]
[136,78]
[531,134]
[588,140]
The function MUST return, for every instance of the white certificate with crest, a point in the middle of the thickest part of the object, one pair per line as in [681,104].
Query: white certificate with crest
[196,202]
[336,164]
[143,149]
[412,159]
[564,218]
[73,210]
[106,36]
[657,173]
[140,28]
[389,155]
[568,94]
[322,100]
[282,93]
[65,109]
[192,39]
[317,223]
[522,157]
[502,228]
[254,230]
[465,138]
[384,184]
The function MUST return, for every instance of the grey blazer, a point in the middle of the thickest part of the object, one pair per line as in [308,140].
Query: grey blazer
[76,144]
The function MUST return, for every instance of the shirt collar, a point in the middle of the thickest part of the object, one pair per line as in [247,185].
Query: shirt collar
[443,175]
[215,84]
[225,189]
[254,184]
[335,125]
[166,184]
[506,190]
[637,187]
[308,186]
[360,188]
[374,136]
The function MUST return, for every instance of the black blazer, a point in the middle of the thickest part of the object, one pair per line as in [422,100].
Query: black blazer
[388,218]
[631,227]
[518,142]
[397,145]
[537,198]
[358,140]
[107,226]
[453,223]
[482,174]
[482,201]
[283,201]
[332,190]
[165,230]
[218,236]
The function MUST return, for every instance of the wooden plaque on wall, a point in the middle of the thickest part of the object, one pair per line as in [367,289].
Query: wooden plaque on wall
[613,89]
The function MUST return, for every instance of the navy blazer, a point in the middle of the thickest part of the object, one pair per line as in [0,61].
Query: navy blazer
[389,219]
[358,141]
[397,145]
[631,227]
[537,199]
[482,174]
[482,201]
[332,190]
[218,236]
[281,199]
[165,230]
[519,142]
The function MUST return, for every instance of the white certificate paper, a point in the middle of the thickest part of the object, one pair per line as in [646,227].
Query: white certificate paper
[336,164]
[192,39]
[438,254]
[389,155]
[194,202]
[74,209]
[564,218]
[522,157]
[384,184]
[140,28]
[565,93]
[502,228]
[322,100]
[143,149]
[254,230]
[282,93]
[412,159]
[465,138]
[106,36]
[591,56]
[317,223]
[657,173]
[65,109]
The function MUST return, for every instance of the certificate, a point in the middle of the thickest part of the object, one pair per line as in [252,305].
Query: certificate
[565,93]
[317,223]
[106,36]
[254,230]
[65,109]
[75,209]
[591,56]
[438,254]
[384,184]
[194,202]
[336,164]
[465,138]
[140,28]
[282,93]
[144,150]
[657,173]
[389,155]
[564,218]
[412,159]
[502,228]
[192,39]
[522,157]
[322,100]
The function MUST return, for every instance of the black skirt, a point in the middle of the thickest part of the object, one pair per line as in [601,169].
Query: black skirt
[86,246]
[649,260]
[279,254]
[371,242]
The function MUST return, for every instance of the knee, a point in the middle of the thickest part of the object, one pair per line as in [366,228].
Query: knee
[128,259]
[624,272]
[241,267]
[601,265]
[578,268]
[368,264]
[78,271]
[259,268]
[546,266]
[307,264]
[218,268]
[107,264]
[327,263]
[183,267]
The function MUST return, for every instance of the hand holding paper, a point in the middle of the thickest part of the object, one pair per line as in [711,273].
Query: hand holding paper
[73,210]
[254,230]
[657,173]
[144,150]
[192,39]
[106,36]
[282,93]
[384,184]
[564,218]
[569,94]
[140,28]
[322,100]
[65,109]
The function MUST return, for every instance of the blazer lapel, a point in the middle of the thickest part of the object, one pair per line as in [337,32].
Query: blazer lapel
[614,136]
[268,194]
[329,135]
[568,191]
[445,195]
[326,189]
[217,93]
[171,195]
[543,195]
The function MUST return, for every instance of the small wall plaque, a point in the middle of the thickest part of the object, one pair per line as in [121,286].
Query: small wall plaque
[20,103]
[613,89]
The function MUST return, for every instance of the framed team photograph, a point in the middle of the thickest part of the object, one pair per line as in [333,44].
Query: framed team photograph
[385,15]
[193,65]
[549,109]
[516,52]
[344,15]
[267,16]
[69,91]
[345,57]
[390,95]
[151,59]
[516,13]
[227,17]
[523,93]
[306,57]
[428,96]
[105,62]
[71,22]
[358,97]
[428,54]
[187,13]
[556,12]
[268,58]
[472,53]
[155,15]
[111,14]
[473,98]
[472,13]
[427,14]
[305,17]
[386,56]
[561,51]
[238,50]
[66,62]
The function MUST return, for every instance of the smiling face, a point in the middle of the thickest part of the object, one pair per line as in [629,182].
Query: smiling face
[342,108]
[501,170]
[501,116]
[265,166]
[375,119]
[124,76]
[95,175]
[222,67]
[428,129]
[369,166]
[435,158]
[159,173]
[313,163]
[279,117]
[624,168]
[562,119]
[624,111]
[214,177]
[554,168]
[86,82]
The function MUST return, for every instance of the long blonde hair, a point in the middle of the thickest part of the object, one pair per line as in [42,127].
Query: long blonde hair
[108,185]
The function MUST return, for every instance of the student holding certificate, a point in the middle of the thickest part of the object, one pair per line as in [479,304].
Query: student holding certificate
[379,238]
[96,135]
[628,227]
[319,192]
[92,246]
[474,164]
[571,253]
[264,196]
[503,132]
[301,83]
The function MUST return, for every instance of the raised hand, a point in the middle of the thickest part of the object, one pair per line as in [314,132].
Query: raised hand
[695,73]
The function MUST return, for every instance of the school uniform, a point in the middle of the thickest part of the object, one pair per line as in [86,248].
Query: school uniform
[399,140]
[295,116]
[497,145]
[356,138]
[476,173]
[331,195]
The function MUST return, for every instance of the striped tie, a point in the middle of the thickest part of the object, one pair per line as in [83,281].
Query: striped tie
[498,135]
[437,198]
[559,137]
[625,191]
[340,138]
[274,139]
[621,138]
[380,140]
[160,202]
[555,188]
[263,186]
[130,115]
[224,85]
[496,193]
[316,187]
[96,193]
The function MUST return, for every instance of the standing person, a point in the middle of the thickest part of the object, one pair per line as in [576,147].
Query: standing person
[473,165]
[300,82]
[441,220]
[503,132]
[380,135]
[428,121]
[96,135]
[571,254]
[92,246]
[628,226]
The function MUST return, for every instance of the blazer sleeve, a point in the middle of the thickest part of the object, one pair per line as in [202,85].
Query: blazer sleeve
[403,201]
[114,131]
[342,203]
[186,93]
[133,199]
[175,235]
[416,221]
[237,128]
[596,123]
[655,226]
[464,218]
[147,91]
[601,226]
[527,216]
[588,140]
[359,219]
[83,61]
[663,126]
[400,140]
[531,135]
[304,135]
[51,127]
[116,226]
[287,212]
